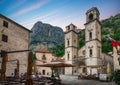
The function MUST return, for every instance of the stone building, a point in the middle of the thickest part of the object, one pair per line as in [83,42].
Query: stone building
[14,37]
[44,56]
[89,59]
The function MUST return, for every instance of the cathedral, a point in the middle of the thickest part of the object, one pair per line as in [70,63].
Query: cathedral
[89,58]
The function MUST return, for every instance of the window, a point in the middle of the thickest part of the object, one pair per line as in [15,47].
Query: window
[68,42]
[74,41]
[90,35]
[91,16]
[68,56]
[44,62]
[4,38]
[3,53]
[43,72]
[5,24]
[43,58]
[90,52]
[68,28]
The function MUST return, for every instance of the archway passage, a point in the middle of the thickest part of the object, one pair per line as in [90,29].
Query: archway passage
[79,67]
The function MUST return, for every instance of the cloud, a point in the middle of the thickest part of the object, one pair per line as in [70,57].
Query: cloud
[30,8]
[42,17]
[66,18]
[29,23]
[55,19]
[17,4]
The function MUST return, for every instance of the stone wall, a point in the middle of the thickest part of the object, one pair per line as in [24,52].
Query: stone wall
[18,39]
[44,57]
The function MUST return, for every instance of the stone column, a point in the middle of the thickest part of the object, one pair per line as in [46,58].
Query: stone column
[115,59]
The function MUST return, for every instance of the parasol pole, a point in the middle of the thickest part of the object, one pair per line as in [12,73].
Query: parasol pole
[52,70]
[3,67]
[34,67]
[18,67]
[29,80]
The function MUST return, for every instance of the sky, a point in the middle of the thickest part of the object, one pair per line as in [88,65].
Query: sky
[59,13]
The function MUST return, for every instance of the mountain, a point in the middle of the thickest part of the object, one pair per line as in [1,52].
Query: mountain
[46,36]
[110,26]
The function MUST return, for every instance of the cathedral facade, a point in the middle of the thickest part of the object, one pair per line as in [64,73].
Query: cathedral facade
[89,58]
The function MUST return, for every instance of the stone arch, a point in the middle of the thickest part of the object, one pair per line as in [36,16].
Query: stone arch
[90,16]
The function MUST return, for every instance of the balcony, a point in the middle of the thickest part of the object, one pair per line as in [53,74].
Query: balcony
[79,58]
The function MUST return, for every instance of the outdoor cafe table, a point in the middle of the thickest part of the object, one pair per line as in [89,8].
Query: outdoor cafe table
[14,83]
[3,82]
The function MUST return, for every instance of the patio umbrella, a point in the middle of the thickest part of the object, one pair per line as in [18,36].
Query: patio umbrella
[55,64]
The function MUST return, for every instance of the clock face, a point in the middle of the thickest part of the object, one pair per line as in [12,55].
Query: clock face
[91,16]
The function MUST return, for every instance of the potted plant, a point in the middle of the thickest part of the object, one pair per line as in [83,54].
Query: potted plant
[116,77]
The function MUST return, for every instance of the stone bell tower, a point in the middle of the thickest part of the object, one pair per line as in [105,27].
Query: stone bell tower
[71,44]
[93,41]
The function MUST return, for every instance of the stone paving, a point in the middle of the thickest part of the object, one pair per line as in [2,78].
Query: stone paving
[73,80]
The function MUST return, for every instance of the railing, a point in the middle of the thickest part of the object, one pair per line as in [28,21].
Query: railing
[79,58]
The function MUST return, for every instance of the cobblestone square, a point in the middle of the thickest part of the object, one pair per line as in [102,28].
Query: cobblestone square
[73,80]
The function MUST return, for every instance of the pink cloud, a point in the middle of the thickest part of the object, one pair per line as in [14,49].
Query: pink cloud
[30,8]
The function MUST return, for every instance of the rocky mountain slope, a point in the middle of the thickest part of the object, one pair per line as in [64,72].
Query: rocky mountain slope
[46,35]
[110,26]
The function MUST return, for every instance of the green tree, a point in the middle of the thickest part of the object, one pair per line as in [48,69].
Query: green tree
[116,77]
